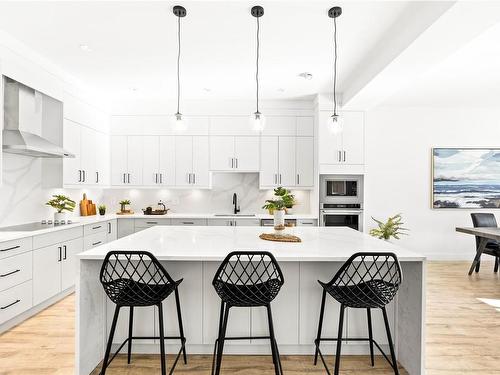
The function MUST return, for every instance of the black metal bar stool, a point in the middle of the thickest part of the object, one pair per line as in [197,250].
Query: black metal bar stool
[136,278]
[247,279]
[365,281]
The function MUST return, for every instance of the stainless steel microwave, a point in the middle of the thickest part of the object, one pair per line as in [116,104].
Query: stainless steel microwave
[341,188]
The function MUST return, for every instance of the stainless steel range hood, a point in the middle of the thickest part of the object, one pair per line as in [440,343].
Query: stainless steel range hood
[26,113]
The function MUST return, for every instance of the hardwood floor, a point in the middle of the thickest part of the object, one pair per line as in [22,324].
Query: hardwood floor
[463,336]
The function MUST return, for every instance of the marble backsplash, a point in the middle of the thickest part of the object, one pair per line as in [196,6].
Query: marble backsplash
[216,200]
[22,197]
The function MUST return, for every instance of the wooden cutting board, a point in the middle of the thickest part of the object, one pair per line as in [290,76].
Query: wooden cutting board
[87,207]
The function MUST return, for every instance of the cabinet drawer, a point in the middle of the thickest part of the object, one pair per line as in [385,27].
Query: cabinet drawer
[189,222]
[59,236]
[15,270]
[95,228]
[146,223]
[94,240]
[15,300]
[307,222]
[10,248]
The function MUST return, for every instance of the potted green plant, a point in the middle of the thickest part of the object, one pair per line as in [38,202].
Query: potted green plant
[276,207]
[287,198]
[61,203]
[102,209]
[123,204]
[392,228]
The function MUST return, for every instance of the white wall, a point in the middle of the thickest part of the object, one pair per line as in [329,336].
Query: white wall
[398,172]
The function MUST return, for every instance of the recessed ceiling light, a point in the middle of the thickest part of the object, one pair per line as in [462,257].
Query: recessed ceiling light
[85,47]
[134,89]
[207,89]
[306,75]
[281,89]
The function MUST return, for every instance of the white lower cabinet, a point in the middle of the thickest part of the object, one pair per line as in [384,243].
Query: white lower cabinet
[125,227]
[54,269]
[15,301]
[234,222]
[111,230]
[15,270]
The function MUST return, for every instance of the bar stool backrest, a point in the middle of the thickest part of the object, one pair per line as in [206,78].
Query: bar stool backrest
[369,277]
[135,273]
[256,272]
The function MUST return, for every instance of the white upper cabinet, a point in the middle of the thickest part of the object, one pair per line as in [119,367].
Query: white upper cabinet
[305,126]
[280,125]
[304,161]
[286,173]
[91,162]
[151,160]
[231,125]
[127,160]
[346,148]
[287,161]
[192,161]
[239,154]
[167,161]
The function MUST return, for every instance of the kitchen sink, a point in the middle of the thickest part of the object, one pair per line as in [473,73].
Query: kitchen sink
[236,215]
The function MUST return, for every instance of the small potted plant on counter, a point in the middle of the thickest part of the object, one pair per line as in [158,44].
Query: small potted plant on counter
[124,206]
[392,228]
[102,210]
[277,207]
[61,203]
[287,198]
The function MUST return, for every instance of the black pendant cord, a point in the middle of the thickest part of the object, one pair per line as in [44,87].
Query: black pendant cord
[335,67]
[257,63]
[178,63]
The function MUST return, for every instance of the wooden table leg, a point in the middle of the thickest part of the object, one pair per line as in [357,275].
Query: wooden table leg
[479,252]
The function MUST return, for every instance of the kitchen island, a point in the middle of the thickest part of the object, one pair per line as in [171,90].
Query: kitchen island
[194,253]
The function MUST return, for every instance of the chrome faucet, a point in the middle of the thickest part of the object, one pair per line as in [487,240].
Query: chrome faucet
[235,204]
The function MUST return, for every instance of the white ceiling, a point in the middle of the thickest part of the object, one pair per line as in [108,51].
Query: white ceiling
[468,78]
[133,44]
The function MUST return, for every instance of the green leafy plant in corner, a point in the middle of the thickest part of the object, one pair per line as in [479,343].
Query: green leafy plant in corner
[61,203]
[102,209]
[392,228]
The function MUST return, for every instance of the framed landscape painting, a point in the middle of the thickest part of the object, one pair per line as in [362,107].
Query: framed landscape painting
[465,178]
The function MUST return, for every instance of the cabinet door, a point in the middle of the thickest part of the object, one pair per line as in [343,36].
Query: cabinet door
[118,159]
[88,155]
[330,145]
[247,154]
[69,262]
[46,272]
[151,161]
[269,161]
[353,138]
[183,160]
[287,175]
[102,159]
[201,165]
[222,153]
[304,161]
[167,161]
[71,142]
[135,147]
[112,230]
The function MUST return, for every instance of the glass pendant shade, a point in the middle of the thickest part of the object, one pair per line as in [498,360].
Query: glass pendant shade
[178,123]
[334,124]
[258,122]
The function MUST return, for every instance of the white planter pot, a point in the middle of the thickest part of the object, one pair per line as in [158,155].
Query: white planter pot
[59,216]
[279,218]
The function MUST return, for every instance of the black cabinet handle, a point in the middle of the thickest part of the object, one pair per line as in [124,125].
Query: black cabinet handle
[9,273]
[9,305]
[96,243]
[60,254]
[109,228]
[84,176]
[161,178]
[96,177]
[151,222]
[11,248]
[65,248]
[128,178]
[99,226]
[187,223]
[79,175]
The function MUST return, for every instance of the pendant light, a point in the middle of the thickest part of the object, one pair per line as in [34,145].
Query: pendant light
[257,119]
[334,122]
[178,120]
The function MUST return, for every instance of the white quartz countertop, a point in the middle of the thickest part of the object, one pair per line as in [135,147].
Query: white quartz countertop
[83,220]
[179,243]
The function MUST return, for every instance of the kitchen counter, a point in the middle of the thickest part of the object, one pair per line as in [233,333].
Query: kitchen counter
[194,254]
[83,220]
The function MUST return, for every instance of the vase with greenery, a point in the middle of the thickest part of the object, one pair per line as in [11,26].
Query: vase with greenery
[61,203]
[284,201]
[392,228]
[123,204]
[102,209]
